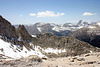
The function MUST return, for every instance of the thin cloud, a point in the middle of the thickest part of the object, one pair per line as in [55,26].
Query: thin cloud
[88,14]
[47,14]
[32,14]
[21,15]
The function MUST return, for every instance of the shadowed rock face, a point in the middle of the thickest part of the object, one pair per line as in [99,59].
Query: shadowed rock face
[91,36]
[16,37]
[23,34]
[6,29]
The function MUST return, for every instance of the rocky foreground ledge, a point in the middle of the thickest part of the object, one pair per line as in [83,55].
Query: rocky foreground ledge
[85,60]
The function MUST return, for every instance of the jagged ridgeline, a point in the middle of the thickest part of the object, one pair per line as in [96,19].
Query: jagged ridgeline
[6,29]
[21,37]
[23,34]
[10,34]
[73,46]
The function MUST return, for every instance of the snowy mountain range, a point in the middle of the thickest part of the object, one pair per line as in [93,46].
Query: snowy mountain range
[18,43]
[59,30]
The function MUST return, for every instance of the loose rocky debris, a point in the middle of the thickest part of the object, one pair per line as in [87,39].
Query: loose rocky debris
[4,58]
[76,61]
[31,61]
[92,60]
[87,55]
[81,59]
[76,58]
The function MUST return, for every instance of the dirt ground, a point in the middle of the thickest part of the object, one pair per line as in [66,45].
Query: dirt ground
[86,60]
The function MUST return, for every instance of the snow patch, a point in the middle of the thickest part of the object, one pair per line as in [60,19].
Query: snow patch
[13,51]
[19,39]
[56,51]
[58,29]
[41,24]
[0,36]
[16,51]
[33,35]
[80,27]
[39,29]
[91,27]
[98,23]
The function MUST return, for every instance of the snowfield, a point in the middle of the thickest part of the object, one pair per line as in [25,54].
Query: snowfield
[91,27]
[39,29]
[15,51]
[55,51]
[33,35]
[98,23]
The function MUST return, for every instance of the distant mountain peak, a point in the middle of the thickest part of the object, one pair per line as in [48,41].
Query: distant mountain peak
[68,25]
[83,23]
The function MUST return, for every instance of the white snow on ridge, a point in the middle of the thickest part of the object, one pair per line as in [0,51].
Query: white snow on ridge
[91,27]
[41,24]
[56,51]
[55,28]
[15,51]
[60,28]
[98,23]
[33,35]
[49,50]
[80,27]
[12,51]
[39,29]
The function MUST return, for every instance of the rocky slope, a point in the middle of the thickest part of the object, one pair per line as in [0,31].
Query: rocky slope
[23,34]
[6,29]
[73,46]
[17,43]
[90,34]
[85,60]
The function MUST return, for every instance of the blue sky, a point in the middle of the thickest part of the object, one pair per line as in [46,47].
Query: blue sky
[50,11]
